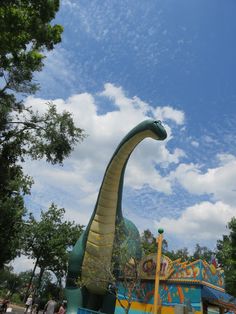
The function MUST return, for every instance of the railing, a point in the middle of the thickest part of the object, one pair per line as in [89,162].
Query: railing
[82,310]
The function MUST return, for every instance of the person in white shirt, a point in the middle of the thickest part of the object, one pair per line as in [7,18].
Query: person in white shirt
[50,307]
[28,304]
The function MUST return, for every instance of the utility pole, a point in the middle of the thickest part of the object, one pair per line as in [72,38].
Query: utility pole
[158,268]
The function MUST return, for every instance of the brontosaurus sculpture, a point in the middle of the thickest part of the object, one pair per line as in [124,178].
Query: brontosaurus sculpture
[97,241]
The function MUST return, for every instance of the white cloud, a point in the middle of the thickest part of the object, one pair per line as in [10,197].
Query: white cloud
[124,103]
[139,173]
[225,159]
[167,112]
[22,263]
[199,223]
[72,5]
[162,113]
[218,182]
[208,139]
[195,143]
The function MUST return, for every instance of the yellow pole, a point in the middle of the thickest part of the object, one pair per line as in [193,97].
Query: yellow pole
[158,268]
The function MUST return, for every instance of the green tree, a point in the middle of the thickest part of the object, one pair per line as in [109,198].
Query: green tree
[49,240]
[9,282]
[48,286]
[226,254]
[130,283]
[149,243]
[26,34]
[202,252]
[26,31]
[14,286]
[183,254]
[24,278]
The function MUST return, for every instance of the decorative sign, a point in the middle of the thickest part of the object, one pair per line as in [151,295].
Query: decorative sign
[148,267]
[199,270]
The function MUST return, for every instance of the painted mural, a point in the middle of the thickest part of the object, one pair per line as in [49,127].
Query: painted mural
[197,271]
[147,268]
[170,295]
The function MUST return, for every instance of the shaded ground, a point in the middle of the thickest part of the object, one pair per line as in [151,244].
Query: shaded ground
[16,309]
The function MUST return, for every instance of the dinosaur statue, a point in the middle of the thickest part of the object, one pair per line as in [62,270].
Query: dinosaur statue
[95,246]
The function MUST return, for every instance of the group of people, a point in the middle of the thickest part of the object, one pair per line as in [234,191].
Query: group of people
[51,307]
[32,304]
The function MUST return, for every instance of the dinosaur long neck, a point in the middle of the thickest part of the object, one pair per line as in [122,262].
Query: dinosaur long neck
[98,252]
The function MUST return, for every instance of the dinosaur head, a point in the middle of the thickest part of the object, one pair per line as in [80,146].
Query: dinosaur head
[157,128]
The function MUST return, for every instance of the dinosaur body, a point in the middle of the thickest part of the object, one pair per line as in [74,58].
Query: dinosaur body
[95,246]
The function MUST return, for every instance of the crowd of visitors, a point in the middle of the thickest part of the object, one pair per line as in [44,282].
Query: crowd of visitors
[51,307]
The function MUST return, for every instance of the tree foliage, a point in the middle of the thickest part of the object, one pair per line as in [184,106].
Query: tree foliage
[149,246]
[148,242]
[226,254]
[9,282]
[182,254]
[26,30]
[48,286]
[130,283]
[49,240]
[14,286]
[202,252]
[26,34]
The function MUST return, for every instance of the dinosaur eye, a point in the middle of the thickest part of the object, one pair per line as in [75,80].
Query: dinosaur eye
[157,122]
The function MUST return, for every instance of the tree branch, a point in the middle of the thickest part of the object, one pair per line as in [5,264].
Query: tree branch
[14,135]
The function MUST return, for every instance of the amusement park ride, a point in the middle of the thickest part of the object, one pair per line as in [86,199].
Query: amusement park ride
[168,286]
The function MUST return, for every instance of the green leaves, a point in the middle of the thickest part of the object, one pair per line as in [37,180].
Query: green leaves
[53,135]
[26,33]
[226,254]
[148,242]
[49,239]
[26,22]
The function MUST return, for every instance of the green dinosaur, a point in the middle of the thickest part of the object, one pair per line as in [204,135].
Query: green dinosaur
[95,246]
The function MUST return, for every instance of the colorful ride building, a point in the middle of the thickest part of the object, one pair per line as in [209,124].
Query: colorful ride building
[196,287]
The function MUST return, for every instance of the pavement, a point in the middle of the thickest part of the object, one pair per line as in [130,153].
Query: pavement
[16,309]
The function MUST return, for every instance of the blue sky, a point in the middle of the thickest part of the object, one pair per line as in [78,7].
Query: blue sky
[121,62]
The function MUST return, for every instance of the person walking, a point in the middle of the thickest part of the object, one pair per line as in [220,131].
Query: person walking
[35,306]
[50,307]
[62,308]
[28,304]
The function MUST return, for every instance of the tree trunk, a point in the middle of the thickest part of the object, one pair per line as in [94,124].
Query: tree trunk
[127,308]
[59,281]
[42,269]
[31,279]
